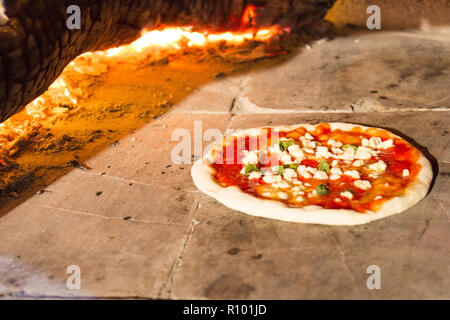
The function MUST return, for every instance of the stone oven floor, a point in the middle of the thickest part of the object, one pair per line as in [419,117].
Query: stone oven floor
[151,234]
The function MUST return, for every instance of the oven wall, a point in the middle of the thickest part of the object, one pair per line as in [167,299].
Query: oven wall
[395,15]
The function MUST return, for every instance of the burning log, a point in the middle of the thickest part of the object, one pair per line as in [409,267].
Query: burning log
[36,45]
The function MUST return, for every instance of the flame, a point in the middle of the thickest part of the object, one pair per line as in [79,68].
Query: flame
[175,37]
[61,97]
[249,15]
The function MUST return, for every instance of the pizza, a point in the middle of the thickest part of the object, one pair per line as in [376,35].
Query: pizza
[329,173]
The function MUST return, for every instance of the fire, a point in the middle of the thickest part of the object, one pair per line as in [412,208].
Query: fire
[176,37]
[61,97]
[249,15]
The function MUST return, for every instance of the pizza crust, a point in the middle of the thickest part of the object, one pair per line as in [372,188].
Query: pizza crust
[236,199]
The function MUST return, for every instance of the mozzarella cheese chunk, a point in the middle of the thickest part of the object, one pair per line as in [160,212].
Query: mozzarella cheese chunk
[296,152]
[251,157]
[378,167]
[405,172]
[365,142]
[352,173]
[336,171]
[335,177]
[312,194]
[306,174]
[309,144]
[374,142]
[293,148]
[272,179]
[285,158]
[331,141]
[321,175]
[275,149]
[289,174]
[311,169]
[254,175]
[363,153]
[347,194]
[363,184]
[274,170]
[337,151]
[281,185]
[322,152]
[348,154]
[386,144]
[358,163]
[297,190]
[309,136]
[334,143]
[301,170]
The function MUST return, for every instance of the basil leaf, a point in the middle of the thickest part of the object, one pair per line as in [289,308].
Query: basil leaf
[291,166]
[346,146]
[280,170]
[250,168]
[324,166]
[322,190]
[285,144]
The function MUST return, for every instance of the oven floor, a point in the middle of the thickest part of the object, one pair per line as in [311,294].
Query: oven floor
[137,227]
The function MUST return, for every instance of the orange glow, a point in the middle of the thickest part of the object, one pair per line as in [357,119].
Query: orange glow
[248,17]
[61,97]
[176,37]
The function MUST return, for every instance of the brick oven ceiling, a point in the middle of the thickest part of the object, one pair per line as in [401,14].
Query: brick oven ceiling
[35,44]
